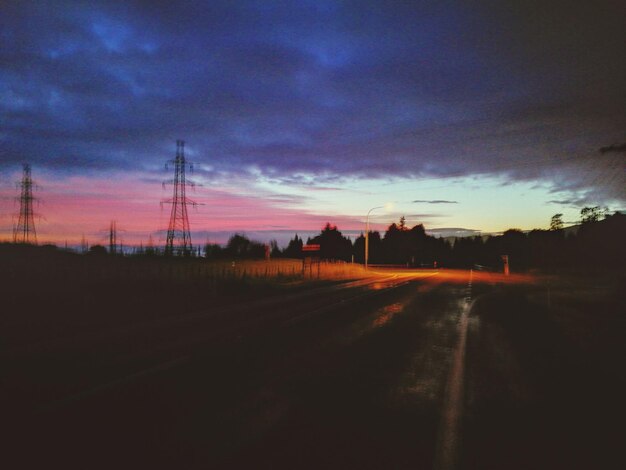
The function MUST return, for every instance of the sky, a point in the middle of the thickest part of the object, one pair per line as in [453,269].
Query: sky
[466,116]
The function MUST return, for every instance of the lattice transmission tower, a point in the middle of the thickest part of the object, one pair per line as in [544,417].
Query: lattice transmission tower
[24,231]
[178,234]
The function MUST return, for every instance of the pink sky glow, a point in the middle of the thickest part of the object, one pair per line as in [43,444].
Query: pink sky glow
[81,206]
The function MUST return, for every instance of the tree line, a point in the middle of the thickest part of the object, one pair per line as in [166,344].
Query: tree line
[597,241]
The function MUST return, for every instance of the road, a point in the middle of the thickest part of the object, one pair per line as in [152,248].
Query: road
[370,374]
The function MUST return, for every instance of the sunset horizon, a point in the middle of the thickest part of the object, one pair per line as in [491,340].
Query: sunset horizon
[472,119]
[74,209]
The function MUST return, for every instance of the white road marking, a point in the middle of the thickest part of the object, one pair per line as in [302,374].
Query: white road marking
[446,457]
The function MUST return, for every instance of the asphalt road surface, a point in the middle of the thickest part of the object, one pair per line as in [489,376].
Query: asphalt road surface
[403,370]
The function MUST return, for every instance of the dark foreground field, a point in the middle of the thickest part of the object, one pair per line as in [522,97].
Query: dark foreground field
[546,381]
[180,370]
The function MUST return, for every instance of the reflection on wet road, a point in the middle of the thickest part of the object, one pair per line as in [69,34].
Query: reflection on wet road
[449,431]
[386,313]
[371,397]
[352,377]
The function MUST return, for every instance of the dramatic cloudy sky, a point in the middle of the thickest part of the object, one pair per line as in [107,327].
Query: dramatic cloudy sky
[467,115]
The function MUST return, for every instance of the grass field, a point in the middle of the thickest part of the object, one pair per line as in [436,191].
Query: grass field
[46,291]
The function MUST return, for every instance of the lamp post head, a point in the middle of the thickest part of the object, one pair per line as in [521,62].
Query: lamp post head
[373,209]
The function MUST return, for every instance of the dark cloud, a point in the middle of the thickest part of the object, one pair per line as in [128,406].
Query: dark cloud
[526,89]
[614,148]
[564,202]
[576,202]
[434,201]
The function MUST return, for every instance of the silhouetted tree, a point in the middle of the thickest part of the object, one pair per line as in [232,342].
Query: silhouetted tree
[556,222]
[515,244]
[213,251]
[410,247]
[592,214]
[274,250]
[547,248]
[393,248]
[333,245]
[239,246]
[294,248]
[420,250]
[600,243]
[460,252]
[375,248]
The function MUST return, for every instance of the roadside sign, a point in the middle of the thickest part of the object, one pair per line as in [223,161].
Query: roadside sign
[311,257]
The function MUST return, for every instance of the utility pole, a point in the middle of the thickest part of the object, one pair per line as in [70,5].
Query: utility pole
[24,231]
[178,240]
[113,238]
[150,246]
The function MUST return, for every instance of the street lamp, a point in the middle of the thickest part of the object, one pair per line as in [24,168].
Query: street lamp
[367,232]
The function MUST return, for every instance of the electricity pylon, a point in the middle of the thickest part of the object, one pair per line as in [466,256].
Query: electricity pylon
[24,231]
[178,240]
[113,238]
